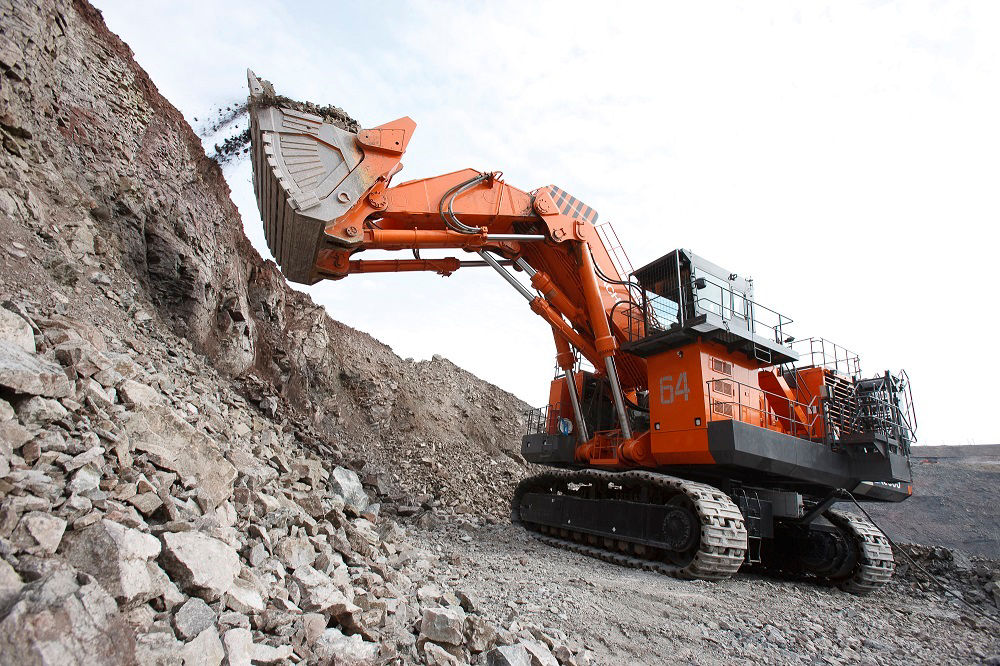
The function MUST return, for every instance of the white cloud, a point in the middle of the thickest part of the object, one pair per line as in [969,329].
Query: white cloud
[844,155]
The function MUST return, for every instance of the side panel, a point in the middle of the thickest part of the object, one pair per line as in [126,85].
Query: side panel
[677,408]
[693,386]
[546,448]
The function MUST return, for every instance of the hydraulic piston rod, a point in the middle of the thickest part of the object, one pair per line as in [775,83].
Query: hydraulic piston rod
[581,425]
[616,391]
[505,274]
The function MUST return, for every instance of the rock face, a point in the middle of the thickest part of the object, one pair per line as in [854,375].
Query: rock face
[220,459]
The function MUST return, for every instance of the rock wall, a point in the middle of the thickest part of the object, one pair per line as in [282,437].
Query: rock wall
[197,464]
[116,217]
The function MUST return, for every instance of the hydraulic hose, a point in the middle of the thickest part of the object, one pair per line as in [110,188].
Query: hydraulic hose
[449,217]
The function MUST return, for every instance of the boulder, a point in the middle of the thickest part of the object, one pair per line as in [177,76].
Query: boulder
[199,564]
[443,625]
[242,651]
[118,557]
[65,618]
[193,618]
[320,594]
[508,655]
[243,597]
[539,653]
[205,649]
[266,654]
[86,479]
[436,655]
[295,552]
[10,582]
[81,356]
[481,634]
[239,646]
[39,411]
[136,395]
[44,529]
[6,411]
[22,372]
[16,331]
[175,445]
[469,600]
[158,648]
[333,647]
[346,483]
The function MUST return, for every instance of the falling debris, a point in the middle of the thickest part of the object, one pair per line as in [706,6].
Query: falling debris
[228,130]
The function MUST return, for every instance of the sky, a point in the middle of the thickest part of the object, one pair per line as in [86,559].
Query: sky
[845,155]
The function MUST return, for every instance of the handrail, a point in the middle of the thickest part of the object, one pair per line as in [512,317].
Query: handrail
[911,409]
[544,420]
[818,348]
[871,407]
[812,407]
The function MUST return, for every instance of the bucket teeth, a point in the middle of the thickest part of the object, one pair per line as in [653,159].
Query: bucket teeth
[256,90]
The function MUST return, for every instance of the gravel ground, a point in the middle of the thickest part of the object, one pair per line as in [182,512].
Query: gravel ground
[629,616]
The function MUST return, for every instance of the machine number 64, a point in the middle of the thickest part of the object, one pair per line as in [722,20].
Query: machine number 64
[669,391]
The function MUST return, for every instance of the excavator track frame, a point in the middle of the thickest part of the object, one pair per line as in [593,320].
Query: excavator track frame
[722,542]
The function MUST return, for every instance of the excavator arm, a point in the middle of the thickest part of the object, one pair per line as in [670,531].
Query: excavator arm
[326,195]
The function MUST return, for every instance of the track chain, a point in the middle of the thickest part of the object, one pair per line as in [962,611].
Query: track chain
[875,562]
[723,542]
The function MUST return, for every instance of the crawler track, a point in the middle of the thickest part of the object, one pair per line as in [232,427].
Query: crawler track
[721,543]
[875,563]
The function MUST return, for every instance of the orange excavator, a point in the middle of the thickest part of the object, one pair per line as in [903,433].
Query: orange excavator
[687,430]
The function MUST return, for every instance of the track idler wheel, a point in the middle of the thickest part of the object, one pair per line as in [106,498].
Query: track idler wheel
[848,552]
[874,563]
[826,554]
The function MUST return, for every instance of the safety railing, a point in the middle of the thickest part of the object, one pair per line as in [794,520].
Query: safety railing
[731,400]
[883,406]
[544,420]
[605,444]
[820,352]
[615,249]
[652,313]
[735,306]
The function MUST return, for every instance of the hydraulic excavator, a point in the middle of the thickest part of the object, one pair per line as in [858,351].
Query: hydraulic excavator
[687,430]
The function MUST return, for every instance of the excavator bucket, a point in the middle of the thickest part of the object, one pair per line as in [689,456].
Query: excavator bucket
[304,175]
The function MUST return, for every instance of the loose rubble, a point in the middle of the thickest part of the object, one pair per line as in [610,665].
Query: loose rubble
[201,545]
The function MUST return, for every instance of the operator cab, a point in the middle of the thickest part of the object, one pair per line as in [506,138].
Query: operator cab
[685,298]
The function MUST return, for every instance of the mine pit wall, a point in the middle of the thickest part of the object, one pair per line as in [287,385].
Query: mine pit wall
[116,153]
